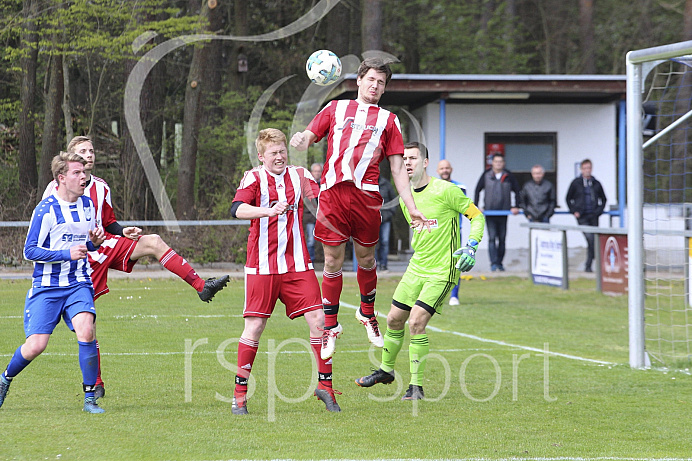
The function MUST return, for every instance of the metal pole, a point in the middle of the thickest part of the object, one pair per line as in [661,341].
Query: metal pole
[622,161]
[443,129]
[635,193]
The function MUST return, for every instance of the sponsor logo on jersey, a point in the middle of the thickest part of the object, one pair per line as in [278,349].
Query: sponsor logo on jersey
[350,122]
[432,223]
[74,237]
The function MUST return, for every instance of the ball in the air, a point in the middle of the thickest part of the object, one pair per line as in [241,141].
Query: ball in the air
[323,67]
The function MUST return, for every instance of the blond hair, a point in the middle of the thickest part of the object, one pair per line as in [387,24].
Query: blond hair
[269,136]
[78,140]
[60,162]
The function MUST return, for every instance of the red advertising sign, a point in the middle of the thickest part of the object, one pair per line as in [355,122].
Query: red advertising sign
[614,264]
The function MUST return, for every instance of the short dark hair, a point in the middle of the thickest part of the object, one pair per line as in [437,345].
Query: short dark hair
[584,162]
[375,63]
[496,154]
[417,145]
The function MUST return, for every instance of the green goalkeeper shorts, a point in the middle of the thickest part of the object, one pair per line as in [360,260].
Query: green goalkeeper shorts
[414,287]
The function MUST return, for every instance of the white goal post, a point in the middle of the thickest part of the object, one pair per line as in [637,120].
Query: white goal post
[639,64]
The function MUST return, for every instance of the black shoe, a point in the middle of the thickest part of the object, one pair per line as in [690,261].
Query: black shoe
[213,286]
[327,396]
[414,393]
[587,269]
[377,376]
[239,406]
[500,267]
[99,391]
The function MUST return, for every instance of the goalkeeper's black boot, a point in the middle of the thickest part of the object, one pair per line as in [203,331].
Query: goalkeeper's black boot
[378,376]
[414,393]
[213,286]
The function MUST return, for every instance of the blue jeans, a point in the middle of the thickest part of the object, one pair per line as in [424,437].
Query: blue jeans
[497,231]
[383,247]
[310,239]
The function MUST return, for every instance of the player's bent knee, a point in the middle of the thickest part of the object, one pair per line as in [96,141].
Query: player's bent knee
[153,245]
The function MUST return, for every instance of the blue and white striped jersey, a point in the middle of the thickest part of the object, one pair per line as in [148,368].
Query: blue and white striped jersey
[56,226]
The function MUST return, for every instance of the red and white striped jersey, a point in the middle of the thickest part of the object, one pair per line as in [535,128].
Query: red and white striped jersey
[99,192]
[360,137]
[277,245]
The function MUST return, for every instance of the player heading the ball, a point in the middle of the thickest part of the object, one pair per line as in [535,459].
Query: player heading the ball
[360,134]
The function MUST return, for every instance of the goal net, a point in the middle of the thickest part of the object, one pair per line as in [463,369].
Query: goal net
[659,193]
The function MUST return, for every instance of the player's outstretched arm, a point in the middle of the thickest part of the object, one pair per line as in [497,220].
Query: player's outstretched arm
[401,181]
[302,140]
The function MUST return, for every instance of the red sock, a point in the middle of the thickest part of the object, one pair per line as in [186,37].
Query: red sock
[99,381]
[180,267]
[367,283]
[324,367]
[332,283]
[247,350]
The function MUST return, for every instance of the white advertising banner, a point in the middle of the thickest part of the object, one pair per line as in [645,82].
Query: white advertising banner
[547,257]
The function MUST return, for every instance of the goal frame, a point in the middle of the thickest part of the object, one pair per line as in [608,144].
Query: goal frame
[639,64]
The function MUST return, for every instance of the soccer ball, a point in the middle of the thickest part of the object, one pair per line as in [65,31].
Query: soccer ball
[323,67]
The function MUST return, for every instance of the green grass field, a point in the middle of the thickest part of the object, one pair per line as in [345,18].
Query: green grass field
[493,393]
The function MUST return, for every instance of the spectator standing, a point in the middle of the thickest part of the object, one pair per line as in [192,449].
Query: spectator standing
[586,201]
[444,171]
[309,215]
[537,197]
[498,184]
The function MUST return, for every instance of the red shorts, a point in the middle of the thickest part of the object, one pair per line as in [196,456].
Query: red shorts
[345,211]
[113,253]
[299,291]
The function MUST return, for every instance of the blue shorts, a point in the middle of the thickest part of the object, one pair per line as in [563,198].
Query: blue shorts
[45,305]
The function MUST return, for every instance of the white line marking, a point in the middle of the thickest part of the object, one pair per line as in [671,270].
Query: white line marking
[501,343]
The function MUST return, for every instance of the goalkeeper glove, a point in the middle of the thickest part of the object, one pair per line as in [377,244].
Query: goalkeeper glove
[466,255]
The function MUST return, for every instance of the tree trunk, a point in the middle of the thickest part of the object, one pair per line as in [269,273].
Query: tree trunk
[372,25]
[187,168]
[687,25]
[586,32]
[28,177]
[66,106]
[410,39]
[51,145]
[209,172]
[339,19]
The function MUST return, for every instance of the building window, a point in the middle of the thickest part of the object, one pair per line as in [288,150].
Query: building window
[522,151]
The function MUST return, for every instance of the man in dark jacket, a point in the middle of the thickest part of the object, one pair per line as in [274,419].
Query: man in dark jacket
[537,197]
[586,201]
[499,185]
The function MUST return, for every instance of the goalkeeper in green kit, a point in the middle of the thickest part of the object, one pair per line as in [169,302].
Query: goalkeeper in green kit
[432,272]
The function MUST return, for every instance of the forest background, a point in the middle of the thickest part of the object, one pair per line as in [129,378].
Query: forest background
[65,68]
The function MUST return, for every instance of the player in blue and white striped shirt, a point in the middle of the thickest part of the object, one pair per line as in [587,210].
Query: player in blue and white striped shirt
[62,231]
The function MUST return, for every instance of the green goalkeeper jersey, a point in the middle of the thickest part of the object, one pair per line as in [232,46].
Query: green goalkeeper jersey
[441,202]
